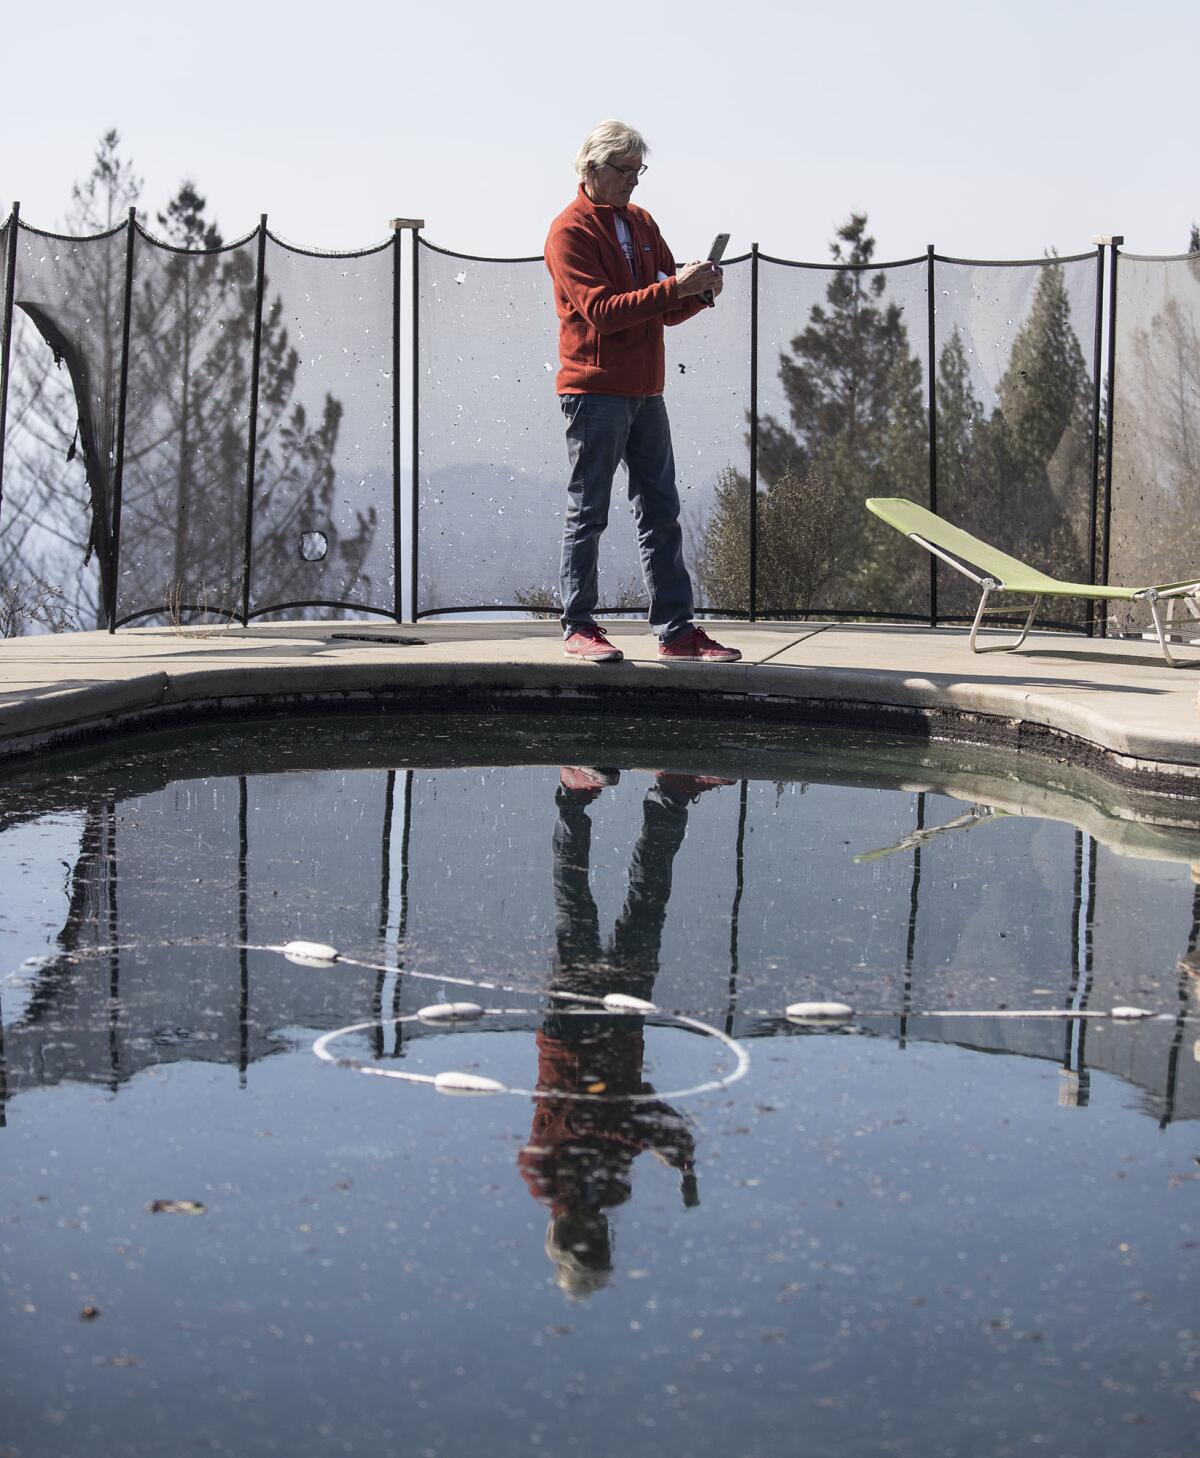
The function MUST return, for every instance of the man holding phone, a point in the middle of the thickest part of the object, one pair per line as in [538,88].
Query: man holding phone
[615,287]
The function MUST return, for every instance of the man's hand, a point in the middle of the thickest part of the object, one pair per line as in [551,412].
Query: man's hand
[698,278]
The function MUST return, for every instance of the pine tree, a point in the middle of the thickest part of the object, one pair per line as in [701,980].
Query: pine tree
[186,421]
[959,418]
[102,200]
[1046,382]
[839,379]
[857,427]
[968,478]
[1040,436]
[723,559]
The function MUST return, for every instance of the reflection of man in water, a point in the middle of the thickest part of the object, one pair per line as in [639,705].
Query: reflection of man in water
[580,1152]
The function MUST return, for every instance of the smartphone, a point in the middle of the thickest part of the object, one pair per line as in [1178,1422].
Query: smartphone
[715,254]
[719,245]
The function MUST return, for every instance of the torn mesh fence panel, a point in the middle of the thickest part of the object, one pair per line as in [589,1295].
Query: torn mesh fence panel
[56,520]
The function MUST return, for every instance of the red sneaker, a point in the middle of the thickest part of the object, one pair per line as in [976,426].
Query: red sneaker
[584,777]
[694,645]
[590,644]
[690,787]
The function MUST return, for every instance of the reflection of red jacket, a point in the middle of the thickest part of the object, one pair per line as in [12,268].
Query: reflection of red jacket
[580,1153]
[610,326]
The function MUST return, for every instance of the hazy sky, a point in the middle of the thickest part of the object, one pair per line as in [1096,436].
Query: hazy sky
[993,131]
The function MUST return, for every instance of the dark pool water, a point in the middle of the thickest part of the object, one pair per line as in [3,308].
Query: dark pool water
[961,1222]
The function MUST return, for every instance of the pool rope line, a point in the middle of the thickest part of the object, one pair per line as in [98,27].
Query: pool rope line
[842,1022]
[1118,1014]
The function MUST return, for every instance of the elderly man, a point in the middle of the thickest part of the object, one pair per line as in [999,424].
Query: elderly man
[615,286]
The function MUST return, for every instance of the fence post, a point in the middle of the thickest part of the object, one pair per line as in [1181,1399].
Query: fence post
[413,226]
[1114,244]
[753,597]
[931,313]
[114,563]
[914,907]
[10,278]
[252,443]
[415,390]
[243,887]
[739,886]
[397,530]
[1097,367]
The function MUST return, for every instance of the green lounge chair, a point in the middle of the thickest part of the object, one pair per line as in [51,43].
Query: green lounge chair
[1002,573]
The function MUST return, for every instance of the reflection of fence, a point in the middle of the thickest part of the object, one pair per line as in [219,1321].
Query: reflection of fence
[139,978]
[241,437]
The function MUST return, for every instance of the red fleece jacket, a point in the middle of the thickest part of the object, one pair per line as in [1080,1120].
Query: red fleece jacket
[610,325]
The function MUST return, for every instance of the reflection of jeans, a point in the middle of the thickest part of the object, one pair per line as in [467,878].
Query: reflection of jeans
[603,431]
[632,959]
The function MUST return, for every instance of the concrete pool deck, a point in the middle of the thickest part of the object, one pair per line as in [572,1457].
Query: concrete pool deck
[1113,705]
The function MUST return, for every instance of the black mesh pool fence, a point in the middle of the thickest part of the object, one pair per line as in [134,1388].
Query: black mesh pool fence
[225,438]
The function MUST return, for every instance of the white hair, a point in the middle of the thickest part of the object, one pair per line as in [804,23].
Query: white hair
[608,139]
[582,1258]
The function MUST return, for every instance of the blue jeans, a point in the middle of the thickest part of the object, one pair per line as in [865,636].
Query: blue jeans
[603,431]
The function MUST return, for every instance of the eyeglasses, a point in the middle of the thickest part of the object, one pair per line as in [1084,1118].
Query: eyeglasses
[627,171]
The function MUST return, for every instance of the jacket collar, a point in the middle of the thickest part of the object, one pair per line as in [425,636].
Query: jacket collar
[604,210]
[605,215]
[586,203]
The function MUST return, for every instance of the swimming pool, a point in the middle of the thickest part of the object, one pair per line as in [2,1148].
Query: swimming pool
[960,1219]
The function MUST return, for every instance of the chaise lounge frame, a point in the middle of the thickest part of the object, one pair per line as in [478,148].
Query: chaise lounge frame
[1000,573]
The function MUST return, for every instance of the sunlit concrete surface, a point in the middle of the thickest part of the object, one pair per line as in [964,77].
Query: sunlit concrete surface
[1114,704]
